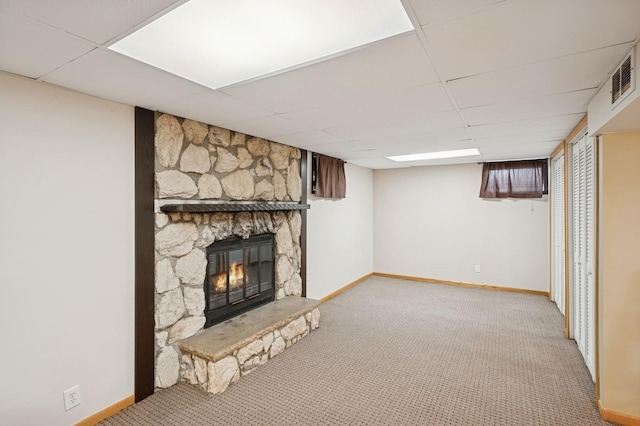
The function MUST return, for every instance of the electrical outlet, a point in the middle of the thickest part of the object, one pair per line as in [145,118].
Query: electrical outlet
[478,269]
[72,397]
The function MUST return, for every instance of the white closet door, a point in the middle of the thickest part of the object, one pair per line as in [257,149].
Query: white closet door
[589,256]
[575,286]
[557,232]
[583,249]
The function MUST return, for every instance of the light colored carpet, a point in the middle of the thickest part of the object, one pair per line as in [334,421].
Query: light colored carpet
[394,352]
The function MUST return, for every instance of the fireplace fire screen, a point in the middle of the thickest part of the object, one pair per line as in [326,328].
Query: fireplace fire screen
[240,277]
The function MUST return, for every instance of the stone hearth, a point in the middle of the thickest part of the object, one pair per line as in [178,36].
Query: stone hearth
[223,353]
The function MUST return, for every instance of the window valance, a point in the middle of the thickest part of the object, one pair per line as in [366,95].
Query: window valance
[330,181]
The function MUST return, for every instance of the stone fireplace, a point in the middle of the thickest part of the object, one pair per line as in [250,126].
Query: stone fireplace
[215,190]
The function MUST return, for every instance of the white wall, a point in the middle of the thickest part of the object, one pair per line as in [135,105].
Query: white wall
[339,235]
[66,252]
[429,222]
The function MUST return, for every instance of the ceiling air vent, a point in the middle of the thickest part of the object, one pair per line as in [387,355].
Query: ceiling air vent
[622,81]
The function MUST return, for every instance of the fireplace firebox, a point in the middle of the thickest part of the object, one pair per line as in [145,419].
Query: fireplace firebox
[240,277]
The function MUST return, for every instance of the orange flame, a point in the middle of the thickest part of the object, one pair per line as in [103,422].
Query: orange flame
[236,275]
[236,278]
[220,284]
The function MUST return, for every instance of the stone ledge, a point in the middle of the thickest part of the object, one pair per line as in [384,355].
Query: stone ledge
[215,343]
[220,355]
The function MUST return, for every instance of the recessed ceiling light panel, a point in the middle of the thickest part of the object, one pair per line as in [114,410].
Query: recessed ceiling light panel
[436,155]
[217,43]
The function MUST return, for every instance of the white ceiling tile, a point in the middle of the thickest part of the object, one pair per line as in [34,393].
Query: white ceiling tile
[212,108]
[405,150]
[267,127]
[409,148]
[386,106]
[563,122]
[96,20]
[115,77]
[570,73]
[544,106]
[526,155]
[364,153]
[447,161]
[329,116]
[429,11]
[414,140]
[377,163]
[395,63]
[30,49]
[304,139]
[400,125]
[521,150]
[333,149]
[510,140]
[430,146]
[427,99]
[381,160]
[521,32]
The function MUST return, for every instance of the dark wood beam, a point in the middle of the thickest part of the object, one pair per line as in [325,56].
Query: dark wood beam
[144,255]
[303,213]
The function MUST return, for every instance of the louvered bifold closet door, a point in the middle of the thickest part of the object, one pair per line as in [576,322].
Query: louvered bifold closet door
[583,249]
[557,232]
[589,256]
[574,314]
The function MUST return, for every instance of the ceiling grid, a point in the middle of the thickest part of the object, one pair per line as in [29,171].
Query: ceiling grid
[509,77]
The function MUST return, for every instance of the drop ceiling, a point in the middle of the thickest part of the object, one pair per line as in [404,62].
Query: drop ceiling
[511,78]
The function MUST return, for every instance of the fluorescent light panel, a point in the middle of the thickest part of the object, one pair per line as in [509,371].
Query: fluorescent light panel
[217,43]
[436,155]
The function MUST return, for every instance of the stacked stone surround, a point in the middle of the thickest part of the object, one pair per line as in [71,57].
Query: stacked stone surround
[196,161]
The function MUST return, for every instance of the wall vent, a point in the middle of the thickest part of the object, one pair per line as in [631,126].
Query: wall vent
[622,79]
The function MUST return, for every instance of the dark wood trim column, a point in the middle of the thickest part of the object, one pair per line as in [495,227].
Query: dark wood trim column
[303,213]
[144,255]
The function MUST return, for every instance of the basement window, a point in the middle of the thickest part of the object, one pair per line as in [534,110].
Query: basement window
[328,179]
[515,179]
